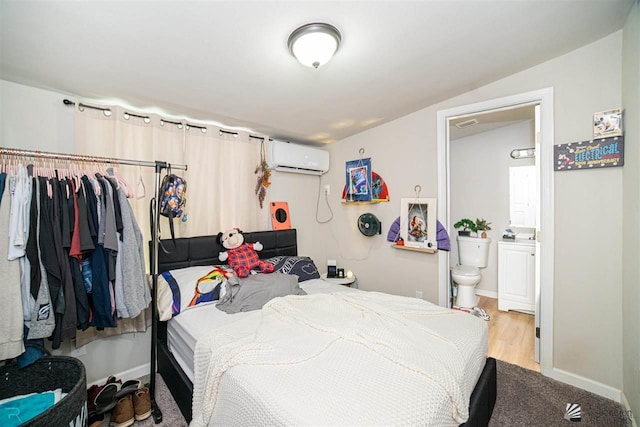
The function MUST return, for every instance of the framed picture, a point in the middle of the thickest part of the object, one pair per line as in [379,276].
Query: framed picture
[607,123]
[418,222]
[358,176]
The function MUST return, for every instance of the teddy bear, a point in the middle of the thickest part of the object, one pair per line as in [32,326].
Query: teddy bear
[242,256]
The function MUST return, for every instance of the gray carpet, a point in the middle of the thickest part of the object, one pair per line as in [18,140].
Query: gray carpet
[525,398]
[171,415]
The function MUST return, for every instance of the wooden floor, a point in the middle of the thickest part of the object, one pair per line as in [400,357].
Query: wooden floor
[511,335]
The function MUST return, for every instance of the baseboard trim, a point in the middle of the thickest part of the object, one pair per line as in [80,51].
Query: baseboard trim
[586,384]
[490,294]
[129,374]
[627,407]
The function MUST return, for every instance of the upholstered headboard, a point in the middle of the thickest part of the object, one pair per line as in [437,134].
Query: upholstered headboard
[204,250]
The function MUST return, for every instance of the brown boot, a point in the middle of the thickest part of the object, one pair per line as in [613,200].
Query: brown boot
[122,415]
[142,404]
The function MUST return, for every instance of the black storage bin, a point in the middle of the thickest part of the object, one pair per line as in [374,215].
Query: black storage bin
[50,373]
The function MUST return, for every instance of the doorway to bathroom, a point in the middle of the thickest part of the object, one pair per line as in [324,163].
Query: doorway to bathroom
[467,175]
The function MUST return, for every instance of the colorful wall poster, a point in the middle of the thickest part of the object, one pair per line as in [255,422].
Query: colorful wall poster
[358,180]
[596,153]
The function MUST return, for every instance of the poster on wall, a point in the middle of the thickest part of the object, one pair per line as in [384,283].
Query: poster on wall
[379,190]
[592,154]
[418,222]
[358,176]
[607,123]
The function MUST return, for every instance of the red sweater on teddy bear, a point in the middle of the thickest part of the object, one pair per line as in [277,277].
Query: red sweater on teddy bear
[244,258]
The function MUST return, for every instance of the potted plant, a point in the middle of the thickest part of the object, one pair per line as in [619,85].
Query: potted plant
[482,226]
[467,227]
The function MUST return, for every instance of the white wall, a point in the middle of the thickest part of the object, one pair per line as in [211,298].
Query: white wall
[588,214]
[301,194]
[630,225]
[588,254]
[36,119]
[479,185]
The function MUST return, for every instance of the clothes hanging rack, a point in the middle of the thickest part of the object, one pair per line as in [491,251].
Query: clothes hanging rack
[155,235]
[81,158]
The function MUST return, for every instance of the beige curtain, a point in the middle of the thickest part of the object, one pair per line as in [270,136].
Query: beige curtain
[132,139]
[220,176]
[221,183]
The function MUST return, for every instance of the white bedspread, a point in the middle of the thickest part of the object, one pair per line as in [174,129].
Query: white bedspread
[344,358]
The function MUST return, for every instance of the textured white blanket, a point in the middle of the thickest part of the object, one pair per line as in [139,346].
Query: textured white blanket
[357,358]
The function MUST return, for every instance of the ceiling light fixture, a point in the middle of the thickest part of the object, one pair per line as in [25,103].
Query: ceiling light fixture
[523,153]
[314,44]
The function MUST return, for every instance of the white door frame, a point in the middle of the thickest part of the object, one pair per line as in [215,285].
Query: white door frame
[545,236]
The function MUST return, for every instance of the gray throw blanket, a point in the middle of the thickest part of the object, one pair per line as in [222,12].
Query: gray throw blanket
[251,293]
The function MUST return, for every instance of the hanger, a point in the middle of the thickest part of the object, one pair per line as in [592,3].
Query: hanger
[141,184]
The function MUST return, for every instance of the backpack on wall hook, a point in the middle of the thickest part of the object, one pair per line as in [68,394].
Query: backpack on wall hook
[173,196]
[173,200]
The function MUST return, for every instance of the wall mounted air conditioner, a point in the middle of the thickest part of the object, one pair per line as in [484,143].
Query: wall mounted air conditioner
[288,157]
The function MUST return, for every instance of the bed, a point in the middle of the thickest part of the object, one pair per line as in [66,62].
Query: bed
[245,392]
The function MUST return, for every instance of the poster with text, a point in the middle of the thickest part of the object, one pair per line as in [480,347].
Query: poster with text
[592,154]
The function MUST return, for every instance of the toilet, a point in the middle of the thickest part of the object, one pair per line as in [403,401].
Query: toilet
[473,254]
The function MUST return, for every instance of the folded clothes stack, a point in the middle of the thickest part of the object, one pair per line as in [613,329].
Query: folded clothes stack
[117,403]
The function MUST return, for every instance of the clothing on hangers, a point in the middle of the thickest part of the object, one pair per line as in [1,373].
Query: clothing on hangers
[69,280]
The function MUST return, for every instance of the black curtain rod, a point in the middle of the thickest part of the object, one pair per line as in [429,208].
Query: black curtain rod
[81,106]
[228,132]
[163,121]
[202,128]
[147,119]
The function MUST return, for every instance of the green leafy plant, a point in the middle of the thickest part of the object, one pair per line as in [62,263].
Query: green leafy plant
[466,224]
[482,224]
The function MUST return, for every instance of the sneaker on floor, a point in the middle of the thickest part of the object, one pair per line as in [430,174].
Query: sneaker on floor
[122,415]
[142,404]
[481,313]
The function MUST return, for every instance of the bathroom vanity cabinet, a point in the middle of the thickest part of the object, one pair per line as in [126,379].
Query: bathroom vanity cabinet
[516,275]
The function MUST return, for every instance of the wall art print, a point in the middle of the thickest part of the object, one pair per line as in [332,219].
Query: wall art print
[418,222]
[358,180]
[607,123]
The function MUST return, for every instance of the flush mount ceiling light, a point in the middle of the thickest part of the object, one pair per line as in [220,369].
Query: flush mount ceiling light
[314,44]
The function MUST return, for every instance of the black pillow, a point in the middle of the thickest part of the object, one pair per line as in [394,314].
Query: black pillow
[301,266]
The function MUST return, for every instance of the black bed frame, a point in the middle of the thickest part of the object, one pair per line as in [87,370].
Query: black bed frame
[204,250]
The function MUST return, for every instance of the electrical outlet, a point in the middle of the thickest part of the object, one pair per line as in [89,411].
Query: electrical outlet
[419,294]
[327,189]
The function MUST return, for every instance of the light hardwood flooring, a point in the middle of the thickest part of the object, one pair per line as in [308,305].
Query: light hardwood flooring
[511,335]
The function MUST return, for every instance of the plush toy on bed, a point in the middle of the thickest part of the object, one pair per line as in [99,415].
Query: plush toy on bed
[242,256]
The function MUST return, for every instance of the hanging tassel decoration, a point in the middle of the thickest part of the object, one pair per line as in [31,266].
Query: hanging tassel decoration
[264,173]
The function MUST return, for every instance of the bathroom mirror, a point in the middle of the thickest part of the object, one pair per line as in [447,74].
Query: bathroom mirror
[522,196]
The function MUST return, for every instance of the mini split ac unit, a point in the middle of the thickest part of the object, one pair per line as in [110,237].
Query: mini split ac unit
[288,157]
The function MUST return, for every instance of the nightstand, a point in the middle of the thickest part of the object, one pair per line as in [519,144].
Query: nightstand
[345,281]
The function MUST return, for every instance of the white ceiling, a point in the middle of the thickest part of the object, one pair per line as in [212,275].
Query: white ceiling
[490,120]
[227,61]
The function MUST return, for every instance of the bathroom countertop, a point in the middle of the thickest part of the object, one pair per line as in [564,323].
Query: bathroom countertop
[518,241]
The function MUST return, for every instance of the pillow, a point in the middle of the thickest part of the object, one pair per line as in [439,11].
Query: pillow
[185,288]
[301,266]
